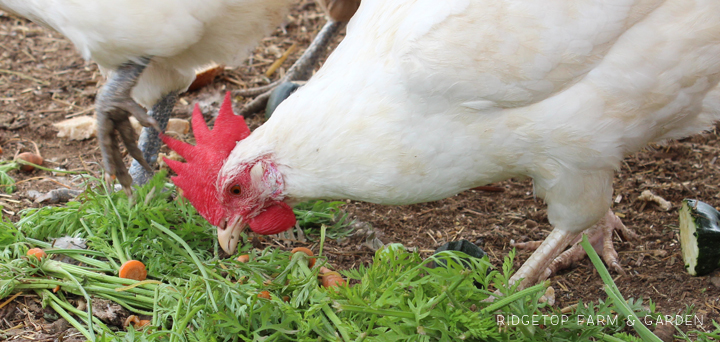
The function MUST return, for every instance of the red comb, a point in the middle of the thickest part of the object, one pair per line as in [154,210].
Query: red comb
[198,176]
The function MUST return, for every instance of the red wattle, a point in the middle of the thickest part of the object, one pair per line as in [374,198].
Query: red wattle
[276,218]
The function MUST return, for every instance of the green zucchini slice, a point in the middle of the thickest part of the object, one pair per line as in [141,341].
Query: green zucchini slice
[699,237]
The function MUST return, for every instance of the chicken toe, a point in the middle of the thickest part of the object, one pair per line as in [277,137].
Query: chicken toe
[601,238]
[534,268]
[114,106]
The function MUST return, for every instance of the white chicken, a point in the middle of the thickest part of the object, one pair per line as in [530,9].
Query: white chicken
[150,51]
[424,99]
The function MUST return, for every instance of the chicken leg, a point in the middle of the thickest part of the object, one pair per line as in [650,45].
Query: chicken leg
[149,142]
[114,105]
[301,70]
[600,236]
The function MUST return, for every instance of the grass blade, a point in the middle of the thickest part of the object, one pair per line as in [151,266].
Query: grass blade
[194,257]
[614,293]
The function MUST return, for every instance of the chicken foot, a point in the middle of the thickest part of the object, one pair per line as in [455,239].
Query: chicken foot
[600,237]
[114,105]
[533,269]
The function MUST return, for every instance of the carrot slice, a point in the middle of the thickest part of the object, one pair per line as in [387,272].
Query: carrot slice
[311,261]
[141,324]
[30,157]
[333,279]
[133,269]
[264,294]
[330,278]
[302,249]
[243,258]
[132,319]
[36,252]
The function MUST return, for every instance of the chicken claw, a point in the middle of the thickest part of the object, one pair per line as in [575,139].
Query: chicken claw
[114,105]
[601,238]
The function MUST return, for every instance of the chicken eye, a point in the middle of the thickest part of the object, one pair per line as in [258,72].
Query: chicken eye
[235,189]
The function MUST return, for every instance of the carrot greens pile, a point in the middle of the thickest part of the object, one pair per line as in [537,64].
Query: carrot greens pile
[192,294]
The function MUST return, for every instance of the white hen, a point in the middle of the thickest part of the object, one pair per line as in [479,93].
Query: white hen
[151,50]
[424,99]
[180,36]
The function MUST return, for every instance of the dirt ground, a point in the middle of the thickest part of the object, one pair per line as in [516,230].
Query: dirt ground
[43,80]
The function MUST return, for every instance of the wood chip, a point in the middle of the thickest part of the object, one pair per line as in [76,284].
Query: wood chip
[648,196]
[78,128]
[205,77]
[85,127]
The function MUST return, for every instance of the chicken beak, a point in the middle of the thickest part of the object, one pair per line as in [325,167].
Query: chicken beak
[229,234]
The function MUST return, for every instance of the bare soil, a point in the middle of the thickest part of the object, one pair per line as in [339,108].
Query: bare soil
[43,80]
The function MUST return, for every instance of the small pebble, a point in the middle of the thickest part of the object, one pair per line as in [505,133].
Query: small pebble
[660,253]
[548,297]
[715,281]
[57,326]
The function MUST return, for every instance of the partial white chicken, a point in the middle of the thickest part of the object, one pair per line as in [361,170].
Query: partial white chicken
[150,50]
[424,99]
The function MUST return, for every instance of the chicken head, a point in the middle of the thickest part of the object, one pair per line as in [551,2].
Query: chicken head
[248,198]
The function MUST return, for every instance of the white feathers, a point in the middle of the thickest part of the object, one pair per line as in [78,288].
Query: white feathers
[424,99]
[256,173]
[181,35]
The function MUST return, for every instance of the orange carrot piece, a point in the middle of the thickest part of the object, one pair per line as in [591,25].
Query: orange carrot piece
[36,252]
[243,258]
[264,294]
[133,269]
[141,324]
[330,278]
[311,261]
[302,249]
[132,319]
[333,279]
[30,157]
